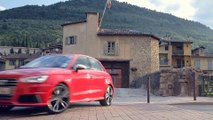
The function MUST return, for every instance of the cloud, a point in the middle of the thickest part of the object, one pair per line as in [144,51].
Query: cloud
[2,8]
[183,9]
[196,10]
[204,13]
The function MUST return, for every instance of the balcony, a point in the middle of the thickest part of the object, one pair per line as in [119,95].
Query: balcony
[178,52]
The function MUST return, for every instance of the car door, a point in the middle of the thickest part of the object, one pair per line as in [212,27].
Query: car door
[98,79]
[81,81]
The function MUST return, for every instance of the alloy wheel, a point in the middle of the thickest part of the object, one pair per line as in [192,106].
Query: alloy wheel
[108,97]
[60,98]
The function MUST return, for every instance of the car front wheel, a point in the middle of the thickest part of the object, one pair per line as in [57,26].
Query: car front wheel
[107,101]
[59,100]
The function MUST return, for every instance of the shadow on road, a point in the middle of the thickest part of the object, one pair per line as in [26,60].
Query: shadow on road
[39,111]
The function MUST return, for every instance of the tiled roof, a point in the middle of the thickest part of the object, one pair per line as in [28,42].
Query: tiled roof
[201,47]
[176,41]
[73,22]
[123,32]
[15,56]
[209,54]
[20,56]
[52,46]
[80,21]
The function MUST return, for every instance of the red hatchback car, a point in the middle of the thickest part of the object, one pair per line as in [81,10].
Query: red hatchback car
[55,81]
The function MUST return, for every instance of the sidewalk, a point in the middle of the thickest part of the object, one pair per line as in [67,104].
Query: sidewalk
[128,104]
[132,96]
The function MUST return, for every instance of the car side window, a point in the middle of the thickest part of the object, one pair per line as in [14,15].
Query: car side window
[95,65]
[83,61]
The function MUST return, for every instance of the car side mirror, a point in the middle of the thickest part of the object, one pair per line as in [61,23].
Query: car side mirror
[79,67]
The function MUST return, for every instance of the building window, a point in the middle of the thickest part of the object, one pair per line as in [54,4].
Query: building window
[111,48]
[209,64]
[21,62]
[163,59]
[179,47]
[12,62]
[166,47]
[197,63]
[71,40]
[179,50]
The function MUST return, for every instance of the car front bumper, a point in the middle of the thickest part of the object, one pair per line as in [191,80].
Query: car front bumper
[27,94]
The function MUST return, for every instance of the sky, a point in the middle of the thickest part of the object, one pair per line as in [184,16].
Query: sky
[196,10]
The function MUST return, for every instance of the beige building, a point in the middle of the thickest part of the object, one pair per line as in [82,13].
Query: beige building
[6,50]
[14,57]
[2,64]
[175,54]
[126,54]
[13,61]
[202,60]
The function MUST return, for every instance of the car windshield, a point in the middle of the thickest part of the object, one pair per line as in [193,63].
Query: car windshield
[49,62]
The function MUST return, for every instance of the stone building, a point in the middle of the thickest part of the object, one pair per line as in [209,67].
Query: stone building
[126,54]
[52,49]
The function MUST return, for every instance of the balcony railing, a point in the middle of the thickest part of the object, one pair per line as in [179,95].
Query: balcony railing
[178,52]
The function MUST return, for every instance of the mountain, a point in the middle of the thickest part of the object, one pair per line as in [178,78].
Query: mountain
[36,26]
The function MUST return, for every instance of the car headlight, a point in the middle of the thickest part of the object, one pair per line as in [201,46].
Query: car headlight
[35,79]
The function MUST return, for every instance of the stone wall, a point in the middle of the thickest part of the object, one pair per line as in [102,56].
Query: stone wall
[178,82]
[144,52]
[171,82]
[155,65]
[154,82]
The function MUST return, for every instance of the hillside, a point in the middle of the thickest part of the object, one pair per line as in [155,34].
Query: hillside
[36,26]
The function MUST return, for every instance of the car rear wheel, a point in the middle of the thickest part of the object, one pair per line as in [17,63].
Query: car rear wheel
[5,108]
[59,100]
[107,101]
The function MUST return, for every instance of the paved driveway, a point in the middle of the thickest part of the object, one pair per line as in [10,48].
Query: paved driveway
[129,104]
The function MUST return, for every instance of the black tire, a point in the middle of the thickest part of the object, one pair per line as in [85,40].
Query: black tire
[108,97]
[5,108]
[60,99]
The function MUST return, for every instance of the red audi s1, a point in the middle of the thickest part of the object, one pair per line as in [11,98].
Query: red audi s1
[55,81]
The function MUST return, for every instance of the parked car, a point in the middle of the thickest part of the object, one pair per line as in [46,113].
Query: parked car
[55,81]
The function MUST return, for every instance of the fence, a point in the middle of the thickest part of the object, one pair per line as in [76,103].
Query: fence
[206,85]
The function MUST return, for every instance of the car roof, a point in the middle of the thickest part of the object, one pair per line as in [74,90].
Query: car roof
[74,55]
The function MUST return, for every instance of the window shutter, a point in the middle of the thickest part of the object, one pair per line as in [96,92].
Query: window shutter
[105,48]
[67,41]
[116,48]
[75,39]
